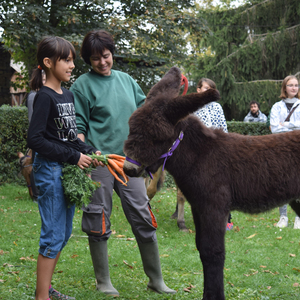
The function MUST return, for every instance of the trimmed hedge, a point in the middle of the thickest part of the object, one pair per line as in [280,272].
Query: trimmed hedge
[249,128]
[13,135]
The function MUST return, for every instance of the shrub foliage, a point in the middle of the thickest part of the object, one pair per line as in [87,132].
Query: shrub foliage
[13,135]
[249,50]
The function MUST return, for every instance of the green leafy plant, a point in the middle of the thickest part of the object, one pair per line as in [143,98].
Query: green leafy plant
[13,135]
[78,185]
[248,128]
[248,51]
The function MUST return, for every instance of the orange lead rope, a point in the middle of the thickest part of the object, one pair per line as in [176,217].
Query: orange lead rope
[184,82]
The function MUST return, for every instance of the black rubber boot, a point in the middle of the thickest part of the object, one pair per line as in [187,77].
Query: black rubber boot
[151,263]
[100,262]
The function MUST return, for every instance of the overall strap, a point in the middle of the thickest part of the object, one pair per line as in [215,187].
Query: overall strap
[289,115]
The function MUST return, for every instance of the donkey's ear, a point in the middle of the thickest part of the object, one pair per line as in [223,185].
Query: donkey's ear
[168,86]
[184,105]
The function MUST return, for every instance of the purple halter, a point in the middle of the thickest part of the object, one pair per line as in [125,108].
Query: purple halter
[165,156]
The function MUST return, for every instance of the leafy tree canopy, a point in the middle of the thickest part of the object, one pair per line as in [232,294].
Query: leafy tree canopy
[149,32]
[248,51]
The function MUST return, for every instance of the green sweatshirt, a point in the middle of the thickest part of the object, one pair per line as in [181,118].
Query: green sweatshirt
[103,106]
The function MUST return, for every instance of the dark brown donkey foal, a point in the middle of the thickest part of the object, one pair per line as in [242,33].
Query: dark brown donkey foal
[217,172]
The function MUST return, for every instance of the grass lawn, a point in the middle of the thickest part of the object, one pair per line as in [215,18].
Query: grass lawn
[262,261]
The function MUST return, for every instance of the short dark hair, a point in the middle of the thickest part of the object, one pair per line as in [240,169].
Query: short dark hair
[254,102]
[96,41]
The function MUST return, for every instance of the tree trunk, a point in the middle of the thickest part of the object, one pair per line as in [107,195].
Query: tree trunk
[5,76]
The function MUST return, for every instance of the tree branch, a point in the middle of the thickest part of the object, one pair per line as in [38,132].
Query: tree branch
[265,80]
[254,6]
[274,33]
[262,35]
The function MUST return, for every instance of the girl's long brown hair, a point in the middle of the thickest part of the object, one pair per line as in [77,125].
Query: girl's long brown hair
[55,48]
[284,94]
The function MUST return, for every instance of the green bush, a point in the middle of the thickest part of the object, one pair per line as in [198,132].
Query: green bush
[249,128]
[13,135]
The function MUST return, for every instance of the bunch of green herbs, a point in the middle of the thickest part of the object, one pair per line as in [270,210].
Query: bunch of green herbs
[78,185]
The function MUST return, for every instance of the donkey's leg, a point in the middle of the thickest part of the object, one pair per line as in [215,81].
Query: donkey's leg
[175,214]
[180,203]
[161,180]
[147,181]
[152,188]
[295,205]
[210,227]
[26,168]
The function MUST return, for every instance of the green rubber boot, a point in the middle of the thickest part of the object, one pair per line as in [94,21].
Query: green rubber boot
[100,262]
[151,263]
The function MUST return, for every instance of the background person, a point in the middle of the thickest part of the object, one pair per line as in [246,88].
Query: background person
[255,115]
[104,101]
[53,135]
[288,106]
[212,115]
[34,86]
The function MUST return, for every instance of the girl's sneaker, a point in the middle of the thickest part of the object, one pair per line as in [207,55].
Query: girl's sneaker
[55,295]
[297,223]
[283,222]
[229,226]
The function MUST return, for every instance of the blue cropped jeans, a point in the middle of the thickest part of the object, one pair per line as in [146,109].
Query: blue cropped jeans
[56,215]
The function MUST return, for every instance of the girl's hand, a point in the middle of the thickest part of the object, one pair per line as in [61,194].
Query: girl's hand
[84,161]
[96,162]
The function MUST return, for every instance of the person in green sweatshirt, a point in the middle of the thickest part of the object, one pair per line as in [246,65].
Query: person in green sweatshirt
[104,101]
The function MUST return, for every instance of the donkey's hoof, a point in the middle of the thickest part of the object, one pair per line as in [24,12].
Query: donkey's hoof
[175,215]
[182,227]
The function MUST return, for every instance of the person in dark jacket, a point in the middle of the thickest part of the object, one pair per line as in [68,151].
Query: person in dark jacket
[255,115]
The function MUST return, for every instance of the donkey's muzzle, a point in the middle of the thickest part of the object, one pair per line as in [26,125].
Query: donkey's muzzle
[133,170]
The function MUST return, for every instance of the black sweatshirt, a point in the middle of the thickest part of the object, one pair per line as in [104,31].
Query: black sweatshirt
[53,132]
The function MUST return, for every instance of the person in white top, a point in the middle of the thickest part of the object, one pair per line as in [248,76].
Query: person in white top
[284,117]
[212,115]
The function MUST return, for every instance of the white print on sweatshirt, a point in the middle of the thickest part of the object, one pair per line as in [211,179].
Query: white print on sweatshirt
[66,124]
